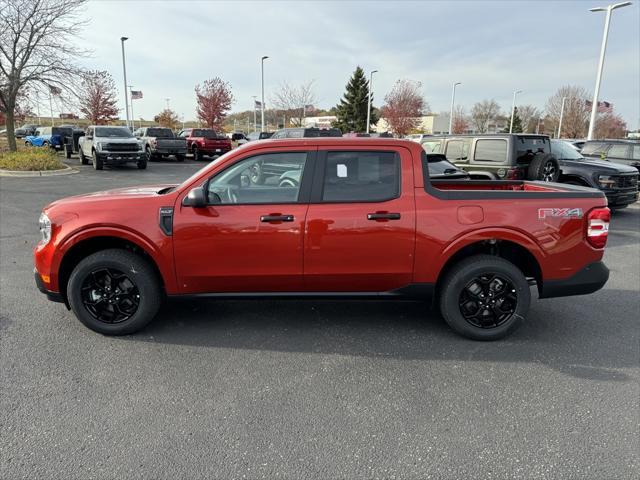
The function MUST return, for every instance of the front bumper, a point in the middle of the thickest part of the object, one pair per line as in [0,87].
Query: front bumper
[53,296]
[621,198]
[116,158]
[588,280]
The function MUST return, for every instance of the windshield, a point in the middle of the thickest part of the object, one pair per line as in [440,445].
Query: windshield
[160,132]
[206,133]
[563,150]
[113,132]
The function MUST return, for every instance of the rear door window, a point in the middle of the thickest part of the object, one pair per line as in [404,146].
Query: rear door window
[490,150]
[361,177]
[618,151]
[636,152]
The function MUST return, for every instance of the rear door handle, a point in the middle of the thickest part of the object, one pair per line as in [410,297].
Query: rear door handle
[383,216]
[276,218]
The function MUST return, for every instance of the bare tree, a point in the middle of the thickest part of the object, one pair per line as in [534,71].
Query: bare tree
[529,116]
[36,50]
[460,123]
[97,97]
[576,113]
[403,107]
[293,100]
[482,113]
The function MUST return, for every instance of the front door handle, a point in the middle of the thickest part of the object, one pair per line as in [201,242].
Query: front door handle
[383,216]
[276,218]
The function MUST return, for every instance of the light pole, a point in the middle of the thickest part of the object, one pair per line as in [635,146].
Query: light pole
[564,99]
[453,101]
[369,100]
[167,100]
[262,83]
[603,48]
[124,71]
[513,109]
[133,117]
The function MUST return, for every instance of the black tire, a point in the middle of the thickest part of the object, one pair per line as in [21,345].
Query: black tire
[136,272]
[500,283]
[150,156]
[142,164]
[180,158]
[97,161]
[83,159]
[67,151]
[197,154]
[545,167]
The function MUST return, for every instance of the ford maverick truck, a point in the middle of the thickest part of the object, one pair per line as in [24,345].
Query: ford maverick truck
[364,219]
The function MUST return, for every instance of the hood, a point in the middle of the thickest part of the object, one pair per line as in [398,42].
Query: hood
[604,165]
[130,193]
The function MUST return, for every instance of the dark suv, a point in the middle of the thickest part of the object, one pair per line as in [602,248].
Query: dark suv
[619,182]
[619,151]
[306,133]
[499,157]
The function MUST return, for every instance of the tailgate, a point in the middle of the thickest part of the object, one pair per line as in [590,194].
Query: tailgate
[171,143]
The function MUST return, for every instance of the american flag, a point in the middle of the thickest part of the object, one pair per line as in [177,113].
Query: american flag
[136,94]
[54,90]
[257,105]
[603,107]
[309,108]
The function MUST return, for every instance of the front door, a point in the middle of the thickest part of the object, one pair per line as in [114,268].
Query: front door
[250,236]
[360,229]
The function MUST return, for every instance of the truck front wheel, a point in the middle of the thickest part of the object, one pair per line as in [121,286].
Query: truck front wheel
[484,297]
[114,292]
[97,161]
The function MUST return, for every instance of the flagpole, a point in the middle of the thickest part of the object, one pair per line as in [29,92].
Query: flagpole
[51,106]
[133,118]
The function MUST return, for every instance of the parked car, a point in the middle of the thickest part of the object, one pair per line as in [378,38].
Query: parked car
[258,136]
[417,137]
[500,156]
[441,169]
[306,133]
[25,130]
[110,146]
[618,182]
[48,137]
[204,141]
[237,139]
[366,220]
[160,142]
[619,151]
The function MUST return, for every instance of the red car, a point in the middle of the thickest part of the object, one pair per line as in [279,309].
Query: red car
[204,141]
[357,217]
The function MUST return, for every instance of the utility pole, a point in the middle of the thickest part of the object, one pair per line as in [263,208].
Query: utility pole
[453,101]
[561,115]
[124,71]
[369,100]
[513,109]
[262,84]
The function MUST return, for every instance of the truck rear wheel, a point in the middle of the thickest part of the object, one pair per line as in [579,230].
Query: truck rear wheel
[544,167]
[114,292]
[484,297]
[197,154]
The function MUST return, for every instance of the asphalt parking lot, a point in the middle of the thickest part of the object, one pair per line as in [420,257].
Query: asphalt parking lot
[311,389]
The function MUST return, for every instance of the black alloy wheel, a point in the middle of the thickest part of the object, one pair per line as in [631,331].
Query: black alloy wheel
[109,295]
[549,172]
[488,301]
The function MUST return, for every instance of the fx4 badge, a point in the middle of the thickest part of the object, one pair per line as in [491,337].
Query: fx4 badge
[559,212]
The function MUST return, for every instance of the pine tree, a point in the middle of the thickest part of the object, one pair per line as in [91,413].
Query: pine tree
[517,123]
[352,109]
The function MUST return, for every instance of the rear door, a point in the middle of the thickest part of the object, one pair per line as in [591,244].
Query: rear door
[360,229]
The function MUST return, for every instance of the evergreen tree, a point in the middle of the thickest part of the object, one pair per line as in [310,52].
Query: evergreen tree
[517,123]
[352,109]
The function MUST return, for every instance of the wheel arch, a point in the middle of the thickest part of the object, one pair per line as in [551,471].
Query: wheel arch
[80,248]
[520,251]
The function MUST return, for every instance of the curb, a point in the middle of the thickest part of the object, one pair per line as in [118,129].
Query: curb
[38,173]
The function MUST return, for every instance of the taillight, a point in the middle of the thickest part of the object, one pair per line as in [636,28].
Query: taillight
[598,227]
[515,174]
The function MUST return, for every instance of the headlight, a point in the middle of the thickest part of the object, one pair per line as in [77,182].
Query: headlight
[607,181]
[44,224]
[139,145]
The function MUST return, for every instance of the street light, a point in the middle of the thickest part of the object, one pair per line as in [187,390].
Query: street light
[369,100]
[254,112]
[603,48]
[513,109]
[453,99]
[124,71]
[564,99]
[262,104]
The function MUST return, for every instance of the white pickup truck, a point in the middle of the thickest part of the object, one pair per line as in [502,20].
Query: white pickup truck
[111,146]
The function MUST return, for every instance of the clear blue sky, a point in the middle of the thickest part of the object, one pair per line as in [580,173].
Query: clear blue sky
[491,47]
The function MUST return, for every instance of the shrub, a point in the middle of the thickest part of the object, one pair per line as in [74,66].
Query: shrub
[30,159]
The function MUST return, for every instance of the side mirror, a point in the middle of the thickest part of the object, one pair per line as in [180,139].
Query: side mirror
[196,198]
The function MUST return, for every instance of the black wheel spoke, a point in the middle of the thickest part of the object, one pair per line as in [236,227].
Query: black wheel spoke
[488,300]
[109,295]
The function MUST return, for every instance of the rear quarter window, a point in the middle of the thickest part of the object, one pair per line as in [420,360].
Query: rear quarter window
[490,150]
[593,148]
[432,146]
